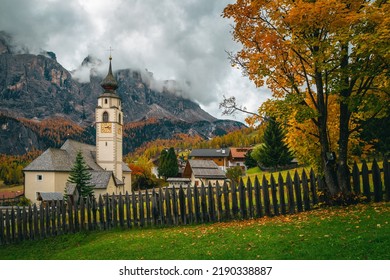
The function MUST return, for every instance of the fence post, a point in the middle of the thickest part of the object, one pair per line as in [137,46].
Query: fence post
[376,178]
[356,178]
[107,212]
[161,201]
[19,223]
[30,222]
[114,208]
[366,182]
[218,195]
[89,218]
[168,213]
[274,196]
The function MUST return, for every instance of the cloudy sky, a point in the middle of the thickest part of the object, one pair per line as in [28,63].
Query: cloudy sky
[182,40]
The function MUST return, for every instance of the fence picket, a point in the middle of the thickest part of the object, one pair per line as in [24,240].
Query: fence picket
[313,187]
[175,212]
[376,179]
[121,210]
[30,222]
[101,213]
[147,206]
[7,223]
[128,210]
[242,199]
[281,194]
[2,235]
[82,214]
[356,178]
[107,212]
[366,182]
[259,206]
[274,196]
[190,212]
[19,223]
[290,194]
[141,209]
[211,202]
[134,208]
[203,204]
[386,178]
[89,213]
[182,206]
[198,215]
[234,200]
[298,193]
[218,195]
[114,210]
[306,196]
[161,206]
[249,192]
[267,203]
[226,200]
[42,221]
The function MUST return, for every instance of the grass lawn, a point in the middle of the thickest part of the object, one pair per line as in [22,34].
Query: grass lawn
[354,232]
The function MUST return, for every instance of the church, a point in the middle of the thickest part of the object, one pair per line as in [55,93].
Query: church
[46,177]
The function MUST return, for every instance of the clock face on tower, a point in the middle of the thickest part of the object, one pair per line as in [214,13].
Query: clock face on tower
[105,128]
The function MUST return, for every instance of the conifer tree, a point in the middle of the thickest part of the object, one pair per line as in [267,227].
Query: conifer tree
[168,166]
[80,176]
[274,152]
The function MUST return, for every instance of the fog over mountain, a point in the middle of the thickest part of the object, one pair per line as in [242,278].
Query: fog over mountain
[181,41]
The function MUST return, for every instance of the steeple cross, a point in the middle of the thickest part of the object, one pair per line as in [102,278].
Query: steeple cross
[110,50]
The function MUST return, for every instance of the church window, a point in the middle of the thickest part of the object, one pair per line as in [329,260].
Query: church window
[105,101]
[120,118]
[39,177]
[105,117]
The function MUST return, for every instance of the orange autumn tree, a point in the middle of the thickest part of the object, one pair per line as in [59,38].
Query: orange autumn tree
[318,49]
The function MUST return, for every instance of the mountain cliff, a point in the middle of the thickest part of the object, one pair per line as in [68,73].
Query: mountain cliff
[42,104]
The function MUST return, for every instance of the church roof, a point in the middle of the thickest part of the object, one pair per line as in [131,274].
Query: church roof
[63,159]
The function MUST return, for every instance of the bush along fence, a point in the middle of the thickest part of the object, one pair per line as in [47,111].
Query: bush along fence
[181,206]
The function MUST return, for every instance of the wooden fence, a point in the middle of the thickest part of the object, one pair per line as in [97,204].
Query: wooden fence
[181,206]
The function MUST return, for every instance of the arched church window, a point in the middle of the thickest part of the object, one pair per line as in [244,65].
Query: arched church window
[105,117]
[105,101]
[120,118]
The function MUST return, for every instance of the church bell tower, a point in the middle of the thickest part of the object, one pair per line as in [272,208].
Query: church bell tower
[109,122]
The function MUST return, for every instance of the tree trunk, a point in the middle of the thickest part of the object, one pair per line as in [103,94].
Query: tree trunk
[328,166]
[343,176]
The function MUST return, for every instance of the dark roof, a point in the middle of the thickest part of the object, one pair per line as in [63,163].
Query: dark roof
[224,152]
[63,159]
[207,169]
[178,179]
[50,196]
[100,179]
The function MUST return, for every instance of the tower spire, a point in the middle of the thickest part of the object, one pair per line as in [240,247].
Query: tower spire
[109,84]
